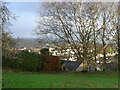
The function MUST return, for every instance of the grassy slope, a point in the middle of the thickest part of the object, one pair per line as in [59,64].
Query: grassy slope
[61,80]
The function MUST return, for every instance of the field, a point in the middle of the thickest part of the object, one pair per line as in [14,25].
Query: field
[61,80]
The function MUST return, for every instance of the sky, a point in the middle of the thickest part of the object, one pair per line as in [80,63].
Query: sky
[26,12]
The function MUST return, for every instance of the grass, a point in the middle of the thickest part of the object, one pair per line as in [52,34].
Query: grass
[61,80]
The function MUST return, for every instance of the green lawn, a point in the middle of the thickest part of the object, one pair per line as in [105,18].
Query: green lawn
[61,80]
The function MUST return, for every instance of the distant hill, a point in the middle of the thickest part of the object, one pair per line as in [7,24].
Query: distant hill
[32,42]
[28,42]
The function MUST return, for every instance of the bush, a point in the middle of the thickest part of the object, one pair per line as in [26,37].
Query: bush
[45,51]
[53,63]
[62,62]
[10,62]
[26,61]
[31,61]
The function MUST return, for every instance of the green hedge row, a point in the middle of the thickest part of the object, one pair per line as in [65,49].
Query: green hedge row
[24,61]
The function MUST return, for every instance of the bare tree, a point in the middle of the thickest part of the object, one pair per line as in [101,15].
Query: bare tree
[79,22]
[107,14]
[115,33]
[69,22]
[5,20]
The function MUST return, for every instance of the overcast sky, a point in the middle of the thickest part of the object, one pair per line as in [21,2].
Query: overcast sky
[27,13]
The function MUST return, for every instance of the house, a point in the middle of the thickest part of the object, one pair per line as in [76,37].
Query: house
[80,67]
[71,65]
[92,67]
[112,66]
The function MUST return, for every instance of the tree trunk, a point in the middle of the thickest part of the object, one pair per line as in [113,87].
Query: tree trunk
[104,60]
[95,52]
[84,58]
[118,37]
[103,41]
[85,65]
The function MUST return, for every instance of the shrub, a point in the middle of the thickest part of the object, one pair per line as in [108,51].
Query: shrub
[45,51]
[62,62]
[26,61]
[31,61]
[10,62]
[53,63]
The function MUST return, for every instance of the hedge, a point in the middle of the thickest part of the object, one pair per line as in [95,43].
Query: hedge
[25,61]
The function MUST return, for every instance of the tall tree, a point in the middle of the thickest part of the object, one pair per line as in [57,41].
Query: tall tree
[5,16]
[107,16]
[78,24]
[69,22]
